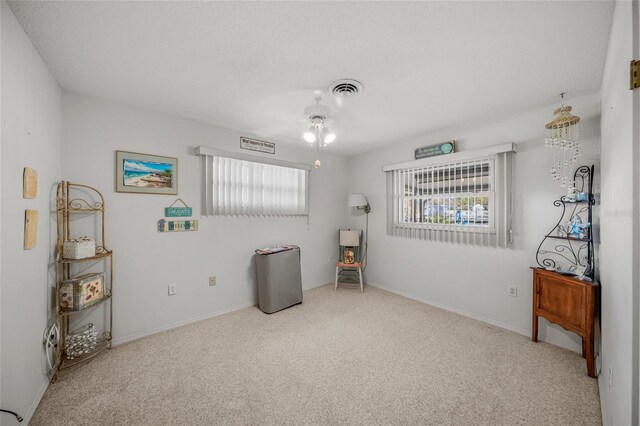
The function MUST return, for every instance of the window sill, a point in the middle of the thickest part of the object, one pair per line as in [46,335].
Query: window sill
[449,228]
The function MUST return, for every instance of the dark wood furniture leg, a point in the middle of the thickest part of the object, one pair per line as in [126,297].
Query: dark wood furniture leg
[534,325]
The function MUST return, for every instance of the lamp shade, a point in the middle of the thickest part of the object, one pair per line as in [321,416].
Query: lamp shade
[310,135]
[357,200]
[329,137]
[349,238]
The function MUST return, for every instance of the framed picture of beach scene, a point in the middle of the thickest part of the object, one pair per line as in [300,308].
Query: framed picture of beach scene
[146,174]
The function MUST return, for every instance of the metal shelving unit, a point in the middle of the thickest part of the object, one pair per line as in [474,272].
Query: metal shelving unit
[567,253]
[74,199]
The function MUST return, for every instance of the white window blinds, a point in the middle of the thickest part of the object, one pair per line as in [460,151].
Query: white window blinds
[232,185]
[465,200]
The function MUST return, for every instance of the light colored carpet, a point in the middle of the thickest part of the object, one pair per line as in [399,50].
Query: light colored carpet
[339,358]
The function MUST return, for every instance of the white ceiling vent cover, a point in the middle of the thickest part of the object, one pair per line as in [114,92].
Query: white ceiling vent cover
[346,87]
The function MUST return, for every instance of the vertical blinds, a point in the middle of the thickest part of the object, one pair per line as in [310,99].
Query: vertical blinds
[467,201]
[232,186]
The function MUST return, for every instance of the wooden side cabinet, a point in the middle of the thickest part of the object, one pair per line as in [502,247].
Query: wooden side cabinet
[568,302]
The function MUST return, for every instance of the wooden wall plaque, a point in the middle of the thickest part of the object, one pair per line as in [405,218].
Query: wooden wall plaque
[177,225]
[29,183]
[30,229]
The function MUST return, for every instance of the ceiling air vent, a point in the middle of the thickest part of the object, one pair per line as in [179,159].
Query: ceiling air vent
[346,87]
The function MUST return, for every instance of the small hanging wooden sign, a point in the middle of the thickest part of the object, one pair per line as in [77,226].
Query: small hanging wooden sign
[177,225]
[171,211]
[29,183]
[30,229]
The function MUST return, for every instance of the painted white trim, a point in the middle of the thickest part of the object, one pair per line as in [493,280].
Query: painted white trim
[452,158]
[504,325]
[205,150]
[34,404]
[146,333]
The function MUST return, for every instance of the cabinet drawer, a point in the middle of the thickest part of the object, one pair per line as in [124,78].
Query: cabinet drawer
[563,300]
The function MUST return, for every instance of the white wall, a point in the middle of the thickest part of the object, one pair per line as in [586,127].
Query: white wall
[472,280]
[617,257]
[147,261]
[30,138]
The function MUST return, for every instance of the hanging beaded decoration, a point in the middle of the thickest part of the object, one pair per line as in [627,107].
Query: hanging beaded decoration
[562,137]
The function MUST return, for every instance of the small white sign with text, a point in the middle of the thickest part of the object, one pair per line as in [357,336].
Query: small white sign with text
[256,145]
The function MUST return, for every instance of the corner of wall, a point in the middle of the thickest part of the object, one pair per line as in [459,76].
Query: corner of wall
[31,137]
[618,378]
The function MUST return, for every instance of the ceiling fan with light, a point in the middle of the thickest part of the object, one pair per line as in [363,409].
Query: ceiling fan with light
[318,115]
[318,132]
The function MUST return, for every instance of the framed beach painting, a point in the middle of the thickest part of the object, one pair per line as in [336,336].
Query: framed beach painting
[146,174]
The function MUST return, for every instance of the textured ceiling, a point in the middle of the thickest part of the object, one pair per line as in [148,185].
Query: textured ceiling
[253,65]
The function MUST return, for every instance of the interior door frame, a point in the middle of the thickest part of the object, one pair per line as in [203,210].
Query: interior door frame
[635,357]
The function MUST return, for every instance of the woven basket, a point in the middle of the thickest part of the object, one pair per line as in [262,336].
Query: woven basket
[80,248]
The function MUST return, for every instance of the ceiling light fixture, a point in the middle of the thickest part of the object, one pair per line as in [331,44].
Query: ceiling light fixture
[318,132]
[310,135]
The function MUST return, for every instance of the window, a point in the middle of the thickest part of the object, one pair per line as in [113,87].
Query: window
[239,184]
[465,199]
[458,195]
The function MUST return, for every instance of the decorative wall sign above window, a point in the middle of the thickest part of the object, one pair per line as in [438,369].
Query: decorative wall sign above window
[256,145]
[437,149]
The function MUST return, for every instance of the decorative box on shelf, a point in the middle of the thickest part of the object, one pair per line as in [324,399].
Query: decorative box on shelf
[79,248]
[82,292]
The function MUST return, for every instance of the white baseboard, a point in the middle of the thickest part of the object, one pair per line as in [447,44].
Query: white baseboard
[130,338]
[500,324]
[146,333]
[304,288]
[34,404]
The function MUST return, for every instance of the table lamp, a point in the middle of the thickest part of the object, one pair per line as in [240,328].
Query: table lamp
[349,240]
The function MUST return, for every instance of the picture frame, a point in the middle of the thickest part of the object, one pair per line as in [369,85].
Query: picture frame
[146,173]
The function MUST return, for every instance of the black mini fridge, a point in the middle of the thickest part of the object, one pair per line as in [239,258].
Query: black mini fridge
[279,278]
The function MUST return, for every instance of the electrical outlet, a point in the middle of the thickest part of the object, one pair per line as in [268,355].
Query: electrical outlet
[212,281]
[513,291]
[172,289]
